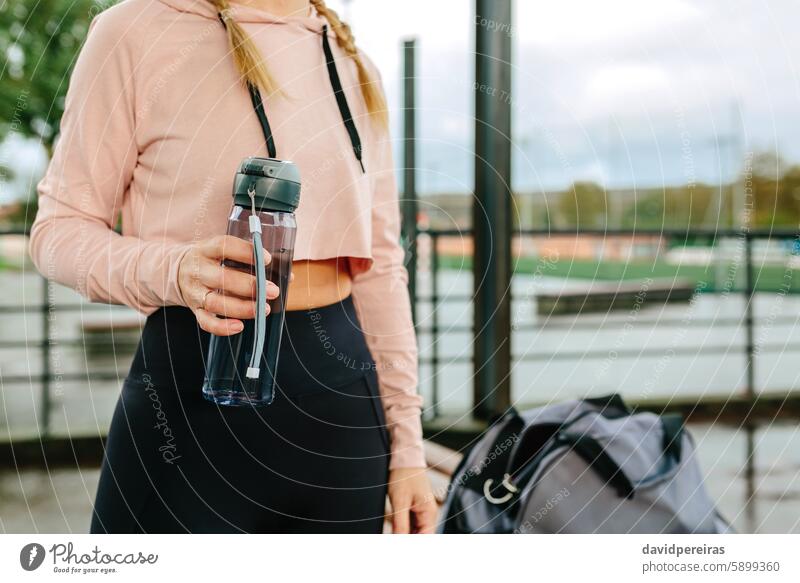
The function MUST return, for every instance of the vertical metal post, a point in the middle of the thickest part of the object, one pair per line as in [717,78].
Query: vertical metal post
[409,205]
[749,425]
[44,431]
[492,208]
[750,478]
[435,322]
[750,293]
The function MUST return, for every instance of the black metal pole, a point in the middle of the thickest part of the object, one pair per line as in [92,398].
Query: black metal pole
[46,405]
[750,477]
[434,240]
[750,356]
[492,208]
[409,205]
[750,285]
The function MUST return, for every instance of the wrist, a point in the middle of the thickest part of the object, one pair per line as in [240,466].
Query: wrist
[177,266]
[408,471]
[408,456]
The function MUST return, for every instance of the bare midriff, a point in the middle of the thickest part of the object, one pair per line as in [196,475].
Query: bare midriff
[318,283]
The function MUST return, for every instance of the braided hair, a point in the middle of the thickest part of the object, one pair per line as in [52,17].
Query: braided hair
[252,69]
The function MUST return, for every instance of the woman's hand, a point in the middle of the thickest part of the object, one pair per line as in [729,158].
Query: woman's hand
[210,289]
[413,505]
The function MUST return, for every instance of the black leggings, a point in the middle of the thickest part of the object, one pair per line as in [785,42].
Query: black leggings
[316,460]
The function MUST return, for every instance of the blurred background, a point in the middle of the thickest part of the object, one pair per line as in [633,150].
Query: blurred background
[635,232]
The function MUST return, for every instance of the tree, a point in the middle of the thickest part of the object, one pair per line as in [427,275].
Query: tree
[775,188]
[39,40]
[677,206]
[585,205]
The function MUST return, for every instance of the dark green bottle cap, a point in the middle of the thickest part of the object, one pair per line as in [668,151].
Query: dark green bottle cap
[275,184]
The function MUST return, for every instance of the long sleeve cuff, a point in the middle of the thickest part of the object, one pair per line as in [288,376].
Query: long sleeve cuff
[406,440]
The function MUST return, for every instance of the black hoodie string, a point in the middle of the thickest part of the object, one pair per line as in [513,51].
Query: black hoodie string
[341,101]
[258,105]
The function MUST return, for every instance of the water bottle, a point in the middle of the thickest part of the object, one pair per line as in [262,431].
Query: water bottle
[241,368]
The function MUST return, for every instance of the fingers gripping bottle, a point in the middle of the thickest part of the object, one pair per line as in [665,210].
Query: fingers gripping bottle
[241,369]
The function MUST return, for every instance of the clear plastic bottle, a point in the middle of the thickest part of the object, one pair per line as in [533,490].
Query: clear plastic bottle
[241,369]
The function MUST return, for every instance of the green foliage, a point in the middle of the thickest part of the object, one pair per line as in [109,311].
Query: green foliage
[585,205]
[774,190]
[694,206]
[769,189]
[39,41]
[22,213]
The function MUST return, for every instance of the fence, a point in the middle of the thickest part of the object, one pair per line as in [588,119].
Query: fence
[436,262]
[781,281]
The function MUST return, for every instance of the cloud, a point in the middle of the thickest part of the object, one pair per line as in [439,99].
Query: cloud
[570,25]
[597,85]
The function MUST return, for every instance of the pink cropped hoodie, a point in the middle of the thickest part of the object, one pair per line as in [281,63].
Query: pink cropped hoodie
[156,122]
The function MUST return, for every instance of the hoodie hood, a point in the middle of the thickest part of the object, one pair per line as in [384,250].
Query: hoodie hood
[242,13]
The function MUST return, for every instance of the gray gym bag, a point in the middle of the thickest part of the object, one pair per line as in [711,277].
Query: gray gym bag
[587,466]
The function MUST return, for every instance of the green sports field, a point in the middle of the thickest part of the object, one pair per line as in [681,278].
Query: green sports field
[768,278]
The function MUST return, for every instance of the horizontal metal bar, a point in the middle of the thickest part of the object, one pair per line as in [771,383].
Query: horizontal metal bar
[33,307]
[736,411]
[668,232]
[87,377]
[78,342]
[613,326]
[649,353]
[781,233]
[15,230]
[449,298]
[528,357]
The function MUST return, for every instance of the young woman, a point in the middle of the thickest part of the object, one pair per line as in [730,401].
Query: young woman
[159,114]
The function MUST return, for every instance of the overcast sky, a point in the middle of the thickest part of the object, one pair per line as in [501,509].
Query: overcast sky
[611,90]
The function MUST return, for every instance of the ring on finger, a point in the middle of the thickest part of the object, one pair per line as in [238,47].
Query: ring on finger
[205,297]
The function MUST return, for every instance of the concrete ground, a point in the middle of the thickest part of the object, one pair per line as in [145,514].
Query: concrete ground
[60,501]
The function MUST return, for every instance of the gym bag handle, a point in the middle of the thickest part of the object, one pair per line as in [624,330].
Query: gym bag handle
[594,454]
[503,488]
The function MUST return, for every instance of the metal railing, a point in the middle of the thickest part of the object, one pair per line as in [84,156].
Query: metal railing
[47,307]
[86,450]
[747,291]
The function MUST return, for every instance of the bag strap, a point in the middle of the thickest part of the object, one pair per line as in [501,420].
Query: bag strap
[506,491]
[594,454]
[672,431]
[611,406]
[492,466]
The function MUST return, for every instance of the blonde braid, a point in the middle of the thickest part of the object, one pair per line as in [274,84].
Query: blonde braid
[370,89]
[245,54]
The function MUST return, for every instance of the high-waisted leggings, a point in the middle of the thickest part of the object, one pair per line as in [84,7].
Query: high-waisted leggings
[315,460]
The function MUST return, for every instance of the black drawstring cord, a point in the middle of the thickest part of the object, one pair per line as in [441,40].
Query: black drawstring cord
[258,106]
[341,99]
